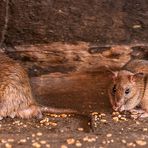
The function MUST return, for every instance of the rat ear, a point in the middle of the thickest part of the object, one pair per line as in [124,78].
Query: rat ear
[139,75]
[136,76]
[113,74]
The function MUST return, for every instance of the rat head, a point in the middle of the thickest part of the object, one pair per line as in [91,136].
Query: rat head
[124,90]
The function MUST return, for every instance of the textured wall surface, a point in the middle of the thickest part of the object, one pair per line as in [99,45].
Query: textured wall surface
[2,20]
[97,21]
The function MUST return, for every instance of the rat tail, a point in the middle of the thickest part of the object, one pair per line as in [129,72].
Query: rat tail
[53,110]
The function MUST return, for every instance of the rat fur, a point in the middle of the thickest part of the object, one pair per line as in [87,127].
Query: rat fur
[129,87]
[16,98]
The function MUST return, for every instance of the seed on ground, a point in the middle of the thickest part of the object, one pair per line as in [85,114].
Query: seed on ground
[63,115]
[80,129]
[7,145]
[89,139]
[109,135]
[116,119]
[131,144]
[64,146]
[78,144]
[123,118]
[3,141]
[47,145]
[70,141]
[123,141]
[33,135]
[136,26]
[103,114]
[10,140]
[103,142]
[115,113]
[52,123]
[94,113]
[36,145]
[39,134]
[43,142]
[145,129]
[141,142]
[23,141]
[112,140]
[103,120]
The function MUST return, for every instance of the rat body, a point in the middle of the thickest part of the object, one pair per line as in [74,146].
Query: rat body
[16,99]
[129,87]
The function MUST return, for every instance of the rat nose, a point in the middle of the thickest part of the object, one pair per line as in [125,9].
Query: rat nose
[115,108]
[117,104]
[121,108]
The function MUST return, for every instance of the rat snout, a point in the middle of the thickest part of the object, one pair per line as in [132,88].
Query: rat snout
[122,108]
[115,108]
[118,108]
[118,105]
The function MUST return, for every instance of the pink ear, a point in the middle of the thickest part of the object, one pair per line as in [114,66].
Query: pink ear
[136,76]
[114,74]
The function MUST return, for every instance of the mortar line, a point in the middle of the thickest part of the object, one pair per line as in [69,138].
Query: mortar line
[4,31]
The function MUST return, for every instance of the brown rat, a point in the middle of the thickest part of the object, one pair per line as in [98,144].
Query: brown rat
[129,87]
[16,99]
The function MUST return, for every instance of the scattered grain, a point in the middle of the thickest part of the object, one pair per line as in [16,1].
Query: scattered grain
[43,142]
[7,145]
[10,140]
[36,145]
[109,135]
[39,134]
[123,141]
[103,120]
[64,146]
[145,129]
[141,142]
[70,141]
[78,144]
[80,129]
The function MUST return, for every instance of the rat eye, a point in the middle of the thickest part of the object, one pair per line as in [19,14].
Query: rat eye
[114,89]
[127,91]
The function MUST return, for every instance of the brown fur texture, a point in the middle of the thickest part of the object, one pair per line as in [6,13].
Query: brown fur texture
[129,87]
[16,99]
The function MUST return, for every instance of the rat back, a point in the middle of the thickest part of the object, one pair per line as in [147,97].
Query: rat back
[136,66]
[140,66]
[15,91]
[16,98]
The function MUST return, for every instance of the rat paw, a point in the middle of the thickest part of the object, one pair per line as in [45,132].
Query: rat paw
[13,115]
[137,111]
[39,116]
[144,115]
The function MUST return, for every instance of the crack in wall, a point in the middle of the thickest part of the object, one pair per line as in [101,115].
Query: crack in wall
[4,31]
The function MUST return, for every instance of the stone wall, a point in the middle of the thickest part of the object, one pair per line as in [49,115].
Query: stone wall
[96,21]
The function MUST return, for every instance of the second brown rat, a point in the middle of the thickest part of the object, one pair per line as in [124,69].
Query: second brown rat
[129,87]
[16,99]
